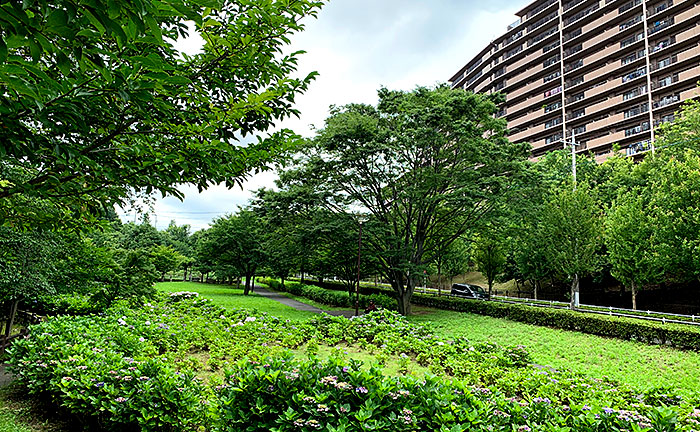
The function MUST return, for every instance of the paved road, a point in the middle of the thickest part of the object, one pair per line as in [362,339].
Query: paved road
[299,305]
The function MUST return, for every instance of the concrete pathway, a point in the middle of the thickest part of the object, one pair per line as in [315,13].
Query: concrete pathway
[299,305]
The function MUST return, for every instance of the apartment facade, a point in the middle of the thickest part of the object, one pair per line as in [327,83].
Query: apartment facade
[597,72]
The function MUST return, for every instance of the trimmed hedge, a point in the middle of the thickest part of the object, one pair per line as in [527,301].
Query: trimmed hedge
[330,297]
[339,286]
[676,335]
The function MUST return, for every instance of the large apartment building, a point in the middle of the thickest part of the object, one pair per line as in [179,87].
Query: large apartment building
[604,71]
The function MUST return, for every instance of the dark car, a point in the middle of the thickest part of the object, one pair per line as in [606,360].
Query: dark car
[469,291]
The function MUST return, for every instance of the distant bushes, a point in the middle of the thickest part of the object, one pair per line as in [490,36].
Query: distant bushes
[676,335]
[330,297]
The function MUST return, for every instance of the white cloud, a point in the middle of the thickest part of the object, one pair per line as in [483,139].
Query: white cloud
[358,46]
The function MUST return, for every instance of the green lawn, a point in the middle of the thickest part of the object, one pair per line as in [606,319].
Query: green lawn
[232,297]
[636,364]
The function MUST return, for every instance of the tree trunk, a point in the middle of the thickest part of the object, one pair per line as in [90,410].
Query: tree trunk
[490,287]
[575,292]
[536,288]
[634,296]
[11,318]
[162,277]
[282,279]
[246,290]
[404,297]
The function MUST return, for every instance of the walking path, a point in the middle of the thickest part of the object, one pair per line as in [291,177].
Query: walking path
[299,305]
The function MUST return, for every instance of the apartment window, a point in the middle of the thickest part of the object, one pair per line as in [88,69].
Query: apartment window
[663,44]
[632,57]
[665,62]
[573,65]
[540,8]
[572,34]
[636,74]
[573,50]
[543,35]
[552,92]
[630,23]
[542,21]
[667,100]
[550,47]
[575,98]
[499,72]
[668,118]
[550,61]
[634,93]
[552,76]
[583,13]
[579,130]
[578,113]
[636,110]
[632,39]
[627,6]
[512,38]
[638,147]
[552,123]
[574,81]
[666,81]
[551,107]
[644,126]
[661,7]
[660,25]
[513,52]
[571,4]
[499,85]
[552,138]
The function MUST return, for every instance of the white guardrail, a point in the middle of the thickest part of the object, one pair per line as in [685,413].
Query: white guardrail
[662,317]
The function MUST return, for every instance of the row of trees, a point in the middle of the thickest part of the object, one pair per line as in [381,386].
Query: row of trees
[431,179]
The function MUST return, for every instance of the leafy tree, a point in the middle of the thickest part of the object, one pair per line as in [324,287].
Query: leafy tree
[572,229]
[26,266]
[165,259]
[455,260]
[142,236]
[97,103]
[489,255]
[236,245]
[427,165]
[675,204]
[130,273]
[630,229]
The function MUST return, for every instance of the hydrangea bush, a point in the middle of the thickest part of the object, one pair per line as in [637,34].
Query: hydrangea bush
[143,368]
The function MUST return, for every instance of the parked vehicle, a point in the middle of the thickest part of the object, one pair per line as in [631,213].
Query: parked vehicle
[469,291]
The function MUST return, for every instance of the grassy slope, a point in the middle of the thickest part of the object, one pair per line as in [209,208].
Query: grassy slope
[636,364]
[232,297]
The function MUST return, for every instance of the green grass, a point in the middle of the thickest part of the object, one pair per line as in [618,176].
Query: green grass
[639,365]
[232,297]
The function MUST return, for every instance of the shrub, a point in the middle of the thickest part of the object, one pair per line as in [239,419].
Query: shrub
[288,395]
[330,297]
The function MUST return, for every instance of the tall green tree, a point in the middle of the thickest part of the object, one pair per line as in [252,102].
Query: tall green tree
[630,231]
[97,104]
[236,244]
[489,255]
[572,228]
[165,259]
[425,165]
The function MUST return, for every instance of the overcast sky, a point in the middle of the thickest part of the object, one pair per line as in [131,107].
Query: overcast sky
[358,46]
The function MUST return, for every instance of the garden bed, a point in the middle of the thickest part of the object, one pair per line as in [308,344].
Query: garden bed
[182,363]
